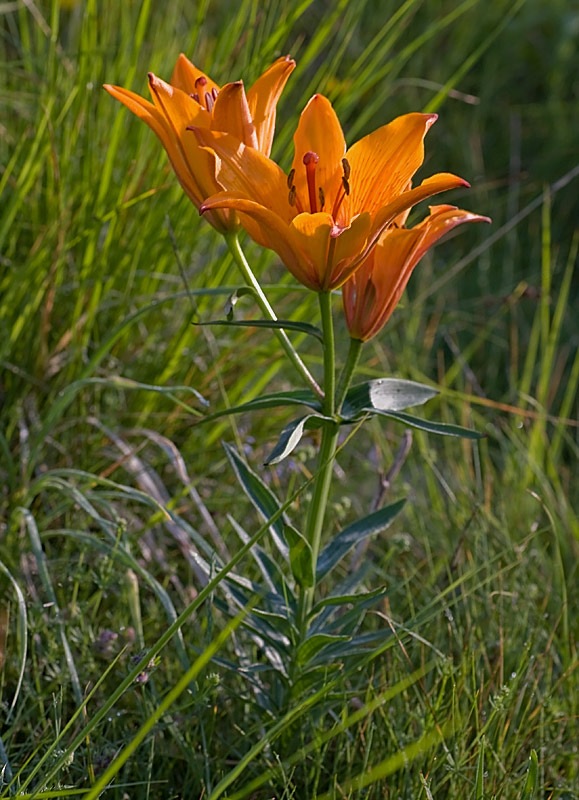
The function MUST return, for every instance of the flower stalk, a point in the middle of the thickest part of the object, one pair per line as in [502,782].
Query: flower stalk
[232,240]
[326,458]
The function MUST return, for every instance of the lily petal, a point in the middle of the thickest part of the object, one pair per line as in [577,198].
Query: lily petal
[161,126]
[186,77]
[269,230]
[440,182]
[312,232]
[319,131]
[383,163]
[262,99]
[246,171]
[349,244]
[231,114]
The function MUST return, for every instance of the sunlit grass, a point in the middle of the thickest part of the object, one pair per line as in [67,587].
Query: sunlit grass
[110,487]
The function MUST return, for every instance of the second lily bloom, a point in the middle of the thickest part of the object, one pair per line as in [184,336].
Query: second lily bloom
[193,99]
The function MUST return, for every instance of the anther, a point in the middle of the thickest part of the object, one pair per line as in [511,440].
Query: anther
[195,97]
[290,178]
[321,198]
[292,196]
[209,101]
[346,168]
[346,185]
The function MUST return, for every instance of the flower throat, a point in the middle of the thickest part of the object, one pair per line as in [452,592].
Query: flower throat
[317,199]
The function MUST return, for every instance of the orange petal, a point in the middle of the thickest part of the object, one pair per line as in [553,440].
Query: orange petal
[349,244]
[383,163]
[185,76]
[319,131]
[180,110]
[442,219]
[231,114]
[263,97]
[441,182]
[312,233]
[195,168]
[268,230]
[246,171]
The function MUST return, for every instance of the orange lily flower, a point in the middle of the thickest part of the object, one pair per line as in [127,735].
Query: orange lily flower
[374,290]
[326,215]
[193,99]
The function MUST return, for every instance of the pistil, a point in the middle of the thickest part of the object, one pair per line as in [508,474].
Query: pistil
[310,161]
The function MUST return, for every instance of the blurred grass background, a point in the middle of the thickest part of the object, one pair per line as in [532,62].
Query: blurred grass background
[103,266]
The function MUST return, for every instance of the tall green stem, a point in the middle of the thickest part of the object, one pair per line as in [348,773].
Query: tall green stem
[232,240]
[326,457]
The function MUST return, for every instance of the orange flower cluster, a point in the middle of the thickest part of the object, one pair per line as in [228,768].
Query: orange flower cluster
[336,219]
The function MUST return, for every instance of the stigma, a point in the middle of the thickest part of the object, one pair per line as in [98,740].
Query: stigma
[205,99]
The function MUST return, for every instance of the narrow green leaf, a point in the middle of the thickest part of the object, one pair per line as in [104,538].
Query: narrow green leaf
[297,397]
[440,428]
[271,572]
[314,644]
[385,394]
[532,777]
[283,324]
[479,790]
[291,435]
[341,544]
[260,496]
[360,599]
[301,557]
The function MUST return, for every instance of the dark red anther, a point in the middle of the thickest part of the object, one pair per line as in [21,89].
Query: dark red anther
[209,102]
[290,178]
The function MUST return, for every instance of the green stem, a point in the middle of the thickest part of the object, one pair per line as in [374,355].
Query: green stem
[232,240]
[326,458]
[348,371]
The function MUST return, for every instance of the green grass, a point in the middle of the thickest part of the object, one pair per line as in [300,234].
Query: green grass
[116,664]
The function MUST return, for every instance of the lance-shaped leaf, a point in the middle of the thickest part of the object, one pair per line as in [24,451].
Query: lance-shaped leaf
[385,394]
[284,324]
[440,428]
[291,397]
[315,644]
[291,435]
[301,557]
[261,497]
[341,544]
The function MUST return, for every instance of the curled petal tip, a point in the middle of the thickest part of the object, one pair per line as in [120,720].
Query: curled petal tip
[431,120]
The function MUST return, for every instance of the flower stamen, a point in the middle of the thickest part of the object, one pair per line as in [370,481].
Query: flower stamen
[206,98]
[344,188]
